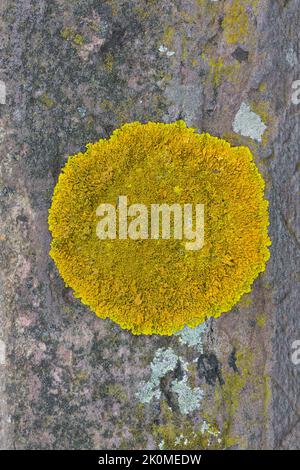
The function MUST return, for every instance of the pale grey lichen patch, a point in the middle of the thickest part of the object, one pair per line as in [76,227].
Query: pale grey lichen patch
[82,111]
[2,352]
[291,57]
[181,439]
[2,92]
[188,398]
[248,124]
[204,427]
[186,100]
[166,51]
[147,392]
[161,444]
[164,361]
[192,336]
[2,134]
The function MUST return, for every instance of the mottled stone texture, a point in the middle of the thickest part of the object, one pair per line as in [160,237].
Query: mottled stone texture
[74,71]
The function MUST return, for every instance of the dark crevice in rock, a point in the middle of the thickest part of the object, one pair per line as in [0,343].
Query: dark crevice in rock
[209,368]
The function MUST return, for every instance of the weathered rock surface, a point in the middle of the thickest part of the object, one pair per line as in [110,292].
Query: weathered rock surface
[73,72]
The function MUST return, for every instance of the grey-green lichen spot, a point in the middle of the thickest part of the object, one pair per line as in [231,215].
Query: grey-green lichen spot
[164,361]
[192,336]
[188,398]
[248,124]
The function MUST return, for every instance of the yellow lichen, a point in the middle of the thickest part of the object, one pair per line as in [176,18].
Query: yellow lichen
[194,62]
[219,71]
[261,320]
[228,397]
[236,22]
[78,40]
[216,69]
[262,87]
[46,100]
[155,286]
[262,108]
[178,433]
[267,394]
[251,381]
[69,34]
[109,62]
[168,36]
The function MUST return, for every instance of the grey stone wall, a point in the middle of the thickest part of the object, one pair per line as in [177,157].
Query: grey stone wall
[74,71]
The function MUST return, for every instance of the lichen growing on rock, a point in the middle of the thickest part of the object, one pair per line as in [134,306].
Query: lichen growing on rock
[192,336]
[179,433]
[236,22]
[165,361]
[248,123]
[155,286]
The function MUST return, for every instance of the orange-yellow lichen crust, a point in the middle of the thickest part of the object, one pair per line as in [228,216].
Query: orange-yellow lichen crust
[157,286]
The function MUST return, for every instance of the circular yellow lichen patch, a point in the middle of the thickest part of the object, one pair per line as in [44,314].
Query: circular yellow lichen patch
[158,286]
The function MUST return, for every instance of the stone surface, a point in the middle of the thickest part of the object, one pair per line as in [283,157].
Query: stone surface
[74,71]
